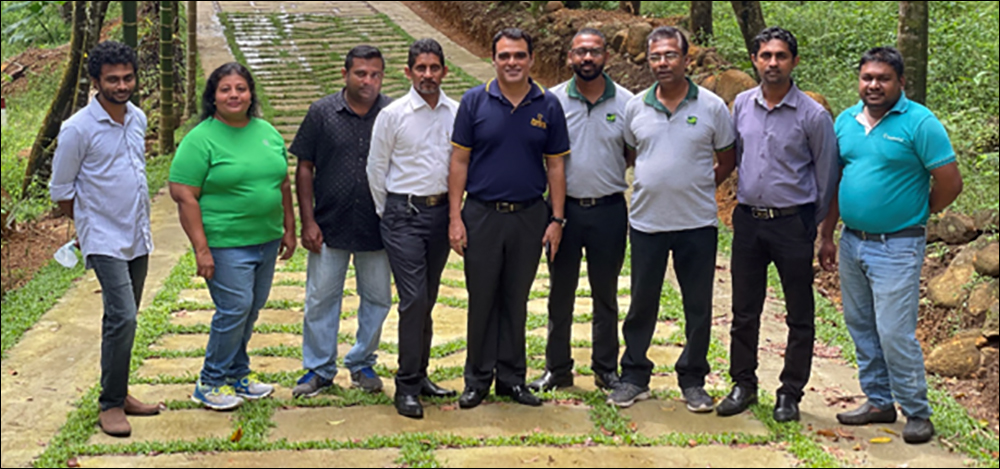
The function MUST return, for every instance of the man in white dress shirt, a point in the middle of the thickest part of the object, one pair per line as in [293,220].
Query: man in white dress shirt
[408,174]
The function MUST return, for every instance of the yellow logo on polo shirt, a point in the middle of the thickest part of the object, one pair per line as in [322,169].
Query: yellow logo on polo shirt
[539,122]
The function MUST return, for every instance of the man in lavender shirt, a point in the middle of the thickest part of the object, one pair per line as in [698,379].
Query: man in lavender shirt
[788,168]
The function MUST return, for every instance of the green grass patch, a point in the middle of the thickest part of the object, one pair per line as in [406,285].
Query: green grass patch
[22,308]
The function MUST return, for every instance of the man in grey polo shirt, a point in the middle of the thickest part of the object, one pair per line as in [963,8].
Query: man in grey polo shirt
[676,129]
[596,214]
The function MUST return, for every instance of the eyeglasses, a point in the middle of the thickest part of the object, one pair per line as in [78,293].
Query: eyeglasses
[583,52]
[517,56]
[671,57]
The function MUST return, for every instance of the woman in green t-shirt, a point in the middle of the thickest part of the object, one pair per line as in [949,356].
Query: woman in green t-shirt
[230,181]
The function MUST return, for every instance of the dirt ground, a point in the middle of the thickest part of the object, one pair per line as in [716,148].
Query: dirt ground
[28,248]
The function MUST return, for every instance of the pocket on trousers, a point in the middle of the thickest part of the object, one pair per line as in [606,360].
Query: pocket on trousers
[906,248]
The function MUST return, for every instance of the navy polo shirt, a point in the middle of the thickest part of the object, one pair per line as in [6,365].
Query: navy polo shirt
[509,145]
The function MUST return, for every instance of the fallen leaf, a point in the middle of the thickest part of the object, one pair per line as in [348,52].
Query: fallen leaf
[889,431]
[530,461]
[858,448]
[828,434]
[606,432]
[449,408]
[693,444]
[996,455]
[336,424]
[633,427]
[237,436]
[846,435]
[984,423]
[73,463]
[881,441]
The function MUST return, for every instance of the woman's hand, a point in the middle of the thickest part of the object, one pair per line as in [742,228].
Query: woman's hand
[206,264]
[288,245]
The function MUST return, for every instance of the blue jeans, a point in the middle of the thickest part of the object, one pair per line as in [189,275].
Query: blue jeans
[881,288]
[324,294]
[239,288]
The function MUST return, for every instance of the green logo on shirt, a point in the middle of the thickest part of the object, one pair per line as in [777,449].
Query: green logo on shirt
[612,117]
[692,120]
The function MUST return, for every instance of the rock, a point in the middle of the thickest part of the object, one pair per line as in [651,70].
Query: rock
[987,261]
[933,235]
[956,228]
[709,83]
[991,328]
[639,59]
[986,221]
[958,358]
[619,40]
[983,298]
[821,100]
[730,84]
[637,35]
[553,7]
[948,289]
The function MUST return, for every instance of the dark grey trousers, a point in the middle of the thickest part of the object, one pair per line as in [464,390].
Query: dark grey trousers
[121,288]
[416,242]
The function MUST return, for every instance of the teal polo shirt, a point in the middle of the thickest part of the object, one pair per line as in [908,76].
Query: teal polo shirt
[509,145]
[887,181]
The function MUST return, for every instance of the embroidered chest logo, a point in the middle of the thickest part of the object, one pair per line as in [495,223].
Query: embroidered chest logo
[612,118]
[692,120]
[893,139]
[539,122]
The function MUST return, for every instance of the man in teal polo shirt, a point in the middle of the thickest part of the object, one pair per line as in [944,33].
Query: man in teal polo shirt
[891,148]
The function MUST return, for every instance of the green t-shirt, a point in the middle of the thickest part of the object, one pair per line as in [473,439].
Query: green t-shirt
[240,173]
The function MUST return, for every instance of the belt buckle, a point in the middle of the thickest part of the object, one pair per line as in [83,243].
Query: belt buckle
[588,203]
[433,201]
[762,213]
[505,207]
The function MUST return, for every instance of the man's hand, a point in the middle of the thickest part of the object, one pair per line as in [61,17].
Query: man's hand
[828,255]
[457,237]
[553,237]
[312,237]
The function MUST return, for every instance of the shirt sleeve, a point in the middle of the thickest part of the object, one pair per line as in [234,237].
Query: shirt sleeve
[66,164]
[725,133]
[630,139]
[464,134]
[191,162]
[308,137]
[933,145]
[557,145]
[379,156]
[826,160]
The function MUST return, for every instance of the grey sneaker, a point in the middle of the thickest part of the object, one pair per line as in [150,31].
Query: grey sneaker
[310,386]
[251,389]
[626,395]
[220,399]
[367,381]
[698,401]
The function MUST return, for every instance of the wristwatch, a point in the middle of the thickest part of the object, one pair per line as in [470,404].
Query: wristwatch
[561,221]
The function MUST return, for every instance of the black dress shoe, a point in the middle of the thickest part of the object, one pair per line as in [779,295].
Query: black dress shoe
[520,395]
[409,407]
[429,389]
[787,410]
[868,414]
[550,382]
[607,382]
[918,431]
[472,398]
[737,402]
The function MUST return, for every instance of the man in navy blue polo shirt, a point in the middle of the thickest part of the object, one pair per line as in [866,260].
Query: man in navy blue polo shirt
[510,139]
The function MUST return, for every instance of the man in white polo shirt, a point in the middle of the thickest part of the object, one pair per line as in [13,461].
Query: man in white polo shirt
[596,214]
[676,130]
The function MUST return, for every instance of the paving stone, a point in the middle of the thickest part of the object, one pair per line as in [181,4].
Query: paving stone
[662,383]
[489,421]
[294,294]
[612,458]
[582,306]
[450,324]
[199,342]
[161,393]
[191,367]
[278,277]
[585,331]
[285,459]
[267,316]
[660,418]
[660,356]
[187,425]
[456,293]
[454,275]
[451,361]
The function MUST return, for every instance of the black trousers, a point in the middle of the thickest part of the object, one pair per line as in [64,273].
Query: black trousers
[416,242]
[602,231]
[694,263]
[789,243]
[121,288]
[501,262]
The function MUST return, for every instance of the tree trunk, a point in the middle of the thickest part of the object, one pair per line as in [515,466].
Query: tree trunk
[130,32]
[914,40]
[167,121]
[192,60]
[701,22]
[40,159]
[96,12]
[634,8]
[751,19]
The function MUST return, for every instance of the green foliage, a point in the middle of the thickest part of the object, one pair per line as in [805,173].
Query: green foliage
[22,308]
[32,24]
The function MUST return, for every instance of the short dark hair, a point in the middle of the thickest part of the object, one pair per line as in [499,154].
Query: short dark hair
[514,34]
[592,32]
[110,53]
[771,34]
[364,53]
[668,32]
[425,46]
[208,105]
[886,55]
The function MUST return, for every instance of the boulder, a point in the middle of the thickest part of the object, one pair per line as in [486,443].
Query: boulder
[986,221]
[948,289]
[958,358]
[637,35]
[987,261]
[730,84]
[553,7]
[709,83]
[983,297]
[956,229]
[639,59]
[821,100]
[933,225]
[991,328]
[619,41]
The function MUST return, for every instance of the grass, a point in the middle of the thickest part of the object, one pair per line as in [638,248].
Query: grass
[22,308]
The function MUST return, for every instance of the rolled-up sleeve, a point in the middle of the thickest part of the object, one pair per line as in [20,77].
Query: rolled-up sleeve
[826,157]
[66,164]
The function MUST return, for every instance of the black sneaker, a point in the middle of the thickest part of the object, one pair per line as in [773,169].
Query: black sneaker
[698,401]
[627,395]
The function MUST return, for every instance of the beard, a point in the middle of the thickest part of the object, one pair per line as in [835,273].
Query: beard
[598,71]
[112,97]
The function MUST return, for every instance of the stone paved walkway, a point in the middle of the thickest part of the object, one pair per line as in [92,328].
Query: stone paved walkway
[295,49]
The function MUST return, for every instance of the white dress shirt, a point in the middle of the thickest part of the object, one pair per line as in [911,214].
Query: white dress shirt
[411,148]
[100,165]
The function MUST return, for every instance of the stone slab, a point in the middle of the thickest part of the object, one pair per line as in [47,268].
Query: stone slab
[187,425]
[278,277]
[585,331]
[451,361]
[199,342]
[191,367]
[660,356]
[450,324]
[582,306]
[154,394]
[612,458]
[489,421]
[203,296]
[267,316]
[284,459]
[655,419]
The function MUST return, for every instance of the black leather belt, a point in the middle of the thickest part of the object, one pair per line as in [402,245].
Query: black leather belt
[429,201]
[761,213]
[589,203]
[915,232]
[508,207]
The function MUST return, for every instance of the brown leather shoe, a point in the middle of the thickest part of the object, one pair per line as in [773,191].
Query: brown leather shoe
[114,423]
[135,408]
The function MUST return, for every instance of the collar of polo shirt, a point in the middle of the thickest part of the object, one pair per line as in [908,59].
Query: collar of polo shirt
[609,92]
[101,115]
[651,100]
[791,99]
[901,107]
[537,91]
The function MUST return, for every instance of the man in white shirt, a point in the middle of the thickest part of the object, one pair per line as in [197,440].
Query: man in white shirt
[408,174]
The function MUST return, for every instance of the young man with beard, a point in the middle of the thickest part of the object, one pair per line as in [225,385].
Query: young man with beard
[510,139]
[99,181]
[408,176]
[596,213]
[676,131]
